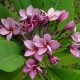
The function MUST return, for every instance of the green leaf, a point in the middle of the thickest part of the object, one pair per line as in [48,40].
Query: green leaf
[66,74]
[68,60]
[3,12]
[51,75]
[2,38]
[17,75]
[20,4]
[49,3]
[38,3]
[10,56]
[78,27]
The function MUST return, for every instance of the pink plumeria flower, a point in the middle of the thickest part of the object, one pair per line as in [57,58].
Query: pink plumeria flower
[46,43]
[29,24]
[33,50]
[31,68]
[9,28]
[70,26]
[30,11]
[74,49]
[52,14]
[63,15]
[53,59]
[43,19]
[76,37]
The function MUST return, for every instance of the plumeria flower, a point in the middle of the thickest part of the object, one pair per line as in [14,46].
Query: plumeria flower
[31,68]
[53,59]
[76,37]
[43,19]
[70,26]
[30,11]
[29,24]
[63,15]
[74,49]
[9,28]
[52,14]
[46,43]
[32,50]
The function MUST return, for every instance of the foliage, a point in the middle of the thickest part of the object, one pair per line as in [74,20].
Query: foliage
[11,54]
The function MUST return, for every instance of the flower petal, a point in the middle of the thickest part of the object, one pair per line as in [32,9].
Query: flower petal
[50,11]
[3,31]
[38,57]
[29,53]
[54,44]
[49,50]
[76,37]
[75,52]
[41,51]
[32,74]
[47,38]
[26,69]
[38,42]
[23,14]
[29,44]
[9,36]
[70,25]
[16,30]
[11,21]
[36,38]
[30,10]
[63,16]
[39,70]
[6,23]
[30,63]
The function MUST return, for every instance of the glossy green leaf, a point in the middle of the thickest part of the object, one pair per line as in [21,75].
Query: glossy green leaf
[66,58]
[66,74]
[51,75]
[10,56]
[38,3]
[20,4]
[78,27]
[17,75]
[3,12]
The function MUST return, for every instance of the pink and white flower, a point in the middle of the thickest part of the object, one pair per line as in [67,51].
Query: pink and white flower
[43,19]
[30,11]
[32,50]
[9,28]
[74,49]
[76,37]
[32,68]
[46,43]
[52,14]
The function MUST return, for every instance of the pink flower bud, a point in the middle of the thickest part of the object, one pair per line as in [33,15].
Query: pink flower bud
[63,15]
[53,59]
[70,26]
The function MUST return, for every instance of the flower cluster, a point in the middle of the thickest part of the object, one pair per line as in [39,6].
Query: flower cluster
[74,49]
[33,27]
